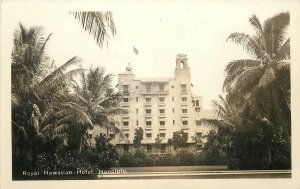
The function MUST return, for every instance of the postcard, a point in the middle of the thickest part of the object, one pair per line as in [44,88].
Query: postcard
[149,94]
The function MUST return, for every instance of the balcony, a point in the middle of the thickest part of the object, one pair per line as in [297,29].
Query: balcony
[125,104]
[185,115]
[154,92]
[148,115]
[185,127]
[125,116]
[184,92]
[162,115]
[162,127]
[125,128]
[184,103]
[148,128]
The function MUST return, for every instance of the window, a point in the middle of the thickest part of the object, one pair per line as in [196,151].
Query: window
[184,99]
[136,99]
[149,148]
[173,98]
[149,135]
[162,135]
[137,123]
[161,99]
[112,136]
[125,123]
[172,86]
[197,102]
[163,148]
[199,135]
[161,87]
[162,123]
[186,135]
[173,110]
[183,88]
[198,122]
[148,123]
[126,112]
[126,147]
[125,99]
[127,135]
[136,87]
[90,136]
[148,87]
[148,100]
[173,122]
[185,123]
[125,88]
[148,111]
[162,111]
[137,111]
[184,111]
[193,101]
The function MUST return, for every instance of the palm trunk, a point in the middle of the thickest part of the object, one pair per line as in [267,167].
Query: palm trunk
[281,121]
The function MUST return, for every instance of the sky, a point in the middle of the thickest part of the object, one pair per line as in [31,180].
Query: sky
[158,30]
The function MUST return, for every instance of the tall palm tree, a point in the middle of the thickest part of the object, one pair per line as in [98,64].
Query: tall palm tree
[97,24]
[102,102]
[262,85]
[35,88]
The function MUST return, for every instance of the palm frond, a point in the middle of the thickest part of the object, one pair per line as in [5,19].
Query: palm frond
[40,139]
[15,101]
[57,83]
[248,74]
[283,66]
[235,68]
[254,21]
[250,44]
[284,52]
[79,114]
[213,122]
[61,128]
[59,71]
[267,78]
[275,31]
[97,23]
[46,128]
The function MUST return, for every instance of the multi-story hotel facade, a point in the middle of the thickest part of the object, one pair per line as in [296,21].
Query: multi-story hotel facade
[160,106]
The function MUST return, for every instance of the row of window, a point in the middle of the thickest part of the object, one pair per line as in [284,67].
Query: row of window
[148,135]
[161,99]
[161,111]
[161,88]
[161,123]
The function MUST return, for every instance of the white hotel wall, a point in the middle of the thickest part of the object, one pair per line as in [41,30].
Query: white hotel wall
[172,88]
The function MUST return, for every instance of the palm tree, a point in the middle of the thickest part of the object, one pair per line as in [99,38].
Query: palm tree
[102,103]
[262,85]
[98,24]
[28,57]
[67,119]
[35,87]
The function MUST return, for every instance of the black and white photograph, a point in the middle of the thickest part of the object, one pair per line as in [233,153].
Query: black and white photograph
[137,92]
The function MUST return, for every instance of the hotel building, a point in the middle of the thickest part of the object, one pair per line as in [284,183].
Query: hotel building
[160,106]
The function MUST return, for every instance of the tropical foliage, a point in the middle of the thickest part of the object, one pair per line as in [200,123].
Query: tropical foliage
[179,139]
[98,24]
[138,137]
[100,100]
[51,113]
[255,117]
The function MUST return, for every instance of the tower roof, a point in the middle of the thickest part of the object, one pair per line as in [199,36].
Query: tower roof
[128,68]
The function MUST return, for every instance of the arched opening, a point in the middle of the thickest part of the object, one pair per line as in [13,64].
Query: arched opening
[197,102]
[181,65]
